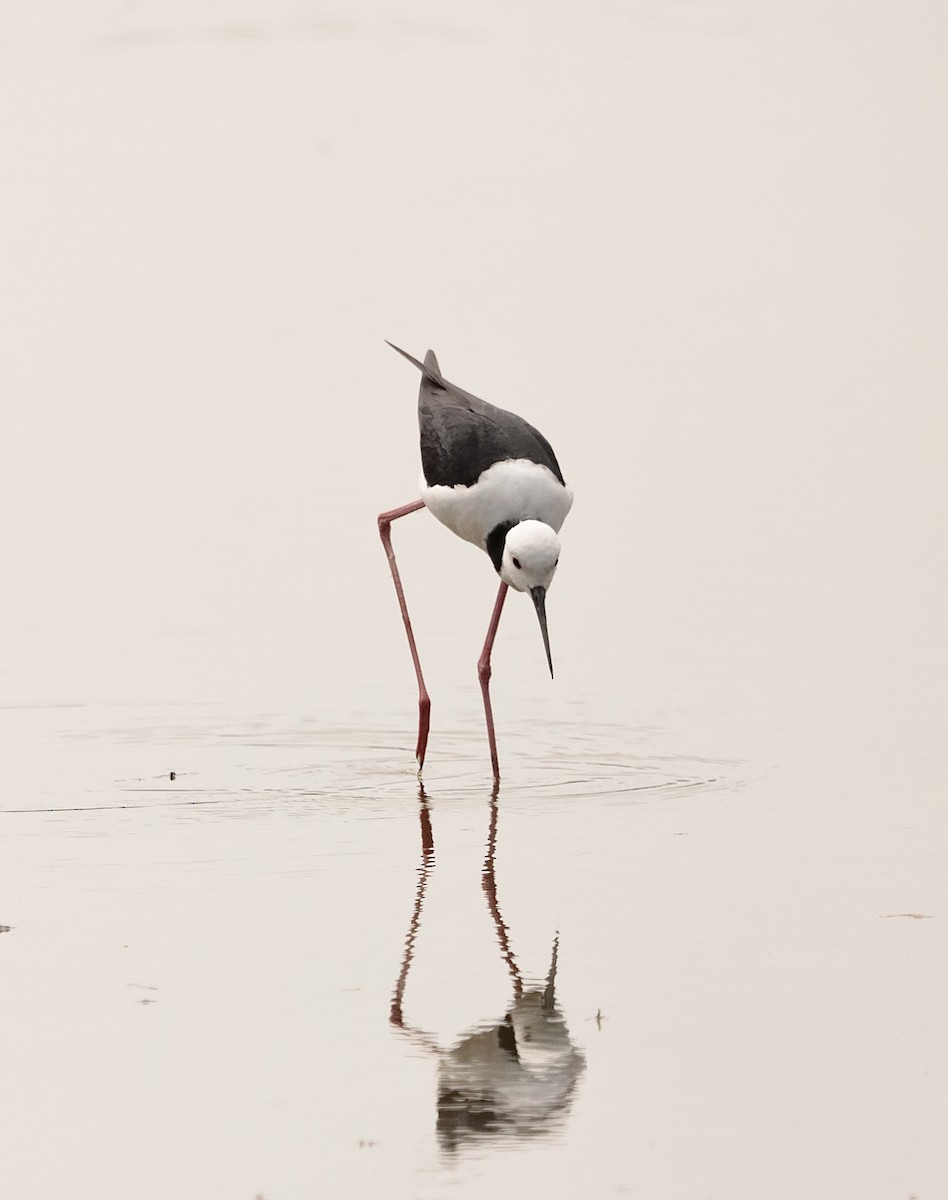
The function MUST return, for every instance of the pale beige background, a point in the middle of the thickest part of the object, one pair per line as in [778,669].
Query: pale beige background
[702,245]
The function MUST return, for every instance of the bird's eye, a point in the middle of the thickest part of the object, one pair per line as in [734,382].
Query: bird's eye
[557,563]
[516,563]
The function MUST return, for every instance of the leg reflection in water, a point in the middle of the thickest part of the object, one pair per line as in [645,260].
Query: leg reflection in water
[427,862]
[512,1077]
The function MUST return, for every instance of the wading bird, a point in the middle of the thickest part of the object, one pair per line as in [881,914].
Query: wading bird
[493,480]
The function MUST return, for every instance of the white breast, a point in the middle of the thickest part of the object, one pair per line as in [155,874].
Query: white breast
[513,490]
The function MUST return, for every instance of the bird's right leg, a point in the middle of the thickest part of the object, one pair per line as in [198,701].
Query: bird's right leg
[424,701]
[483,674]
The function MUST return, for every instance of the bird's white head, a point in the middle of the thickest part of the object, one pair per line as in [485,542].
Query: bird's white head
[531,554]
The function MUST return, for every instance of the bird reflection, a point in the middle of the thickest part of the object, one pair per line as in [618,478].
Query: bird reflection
[511,1077]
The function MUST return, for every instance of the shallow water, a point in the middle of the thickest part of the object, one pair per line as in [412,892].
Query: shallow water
[695,944]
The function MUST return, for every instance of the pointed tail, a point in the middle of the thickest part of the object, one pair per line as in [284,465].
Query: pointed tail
[429,368]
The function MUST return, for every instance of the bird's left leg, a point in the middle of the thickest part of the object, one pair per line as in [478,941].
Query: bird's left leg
[483,674]
[424,701]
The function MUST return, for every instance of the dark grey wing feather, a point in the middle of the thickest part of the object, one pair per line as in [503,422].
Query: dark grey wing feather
[461,435]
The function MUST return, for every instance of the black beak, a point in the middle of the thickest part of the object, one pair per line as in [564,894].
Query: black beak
[539,603]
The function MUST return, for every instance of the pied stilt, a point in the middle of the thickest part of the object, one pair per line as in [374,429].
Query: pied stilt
[494,481]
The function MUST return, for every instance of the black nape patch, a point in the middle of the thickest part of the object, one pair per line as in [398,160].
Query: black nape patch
[494,545]
[507,1038]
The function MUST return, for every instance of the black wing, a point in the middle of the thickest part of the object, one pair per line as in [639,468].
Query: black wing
[461,436]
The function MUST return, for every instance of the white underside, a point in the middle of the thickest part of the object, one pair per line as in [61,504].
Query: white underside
[513,490]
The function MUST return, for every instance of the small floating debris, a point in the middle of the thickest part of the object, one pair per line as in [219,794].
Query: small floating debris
[913,916]
[145,987]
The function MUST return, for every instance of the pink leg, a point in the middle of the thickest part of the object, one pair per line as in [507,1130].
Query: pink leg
[483,674]
[424,701]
